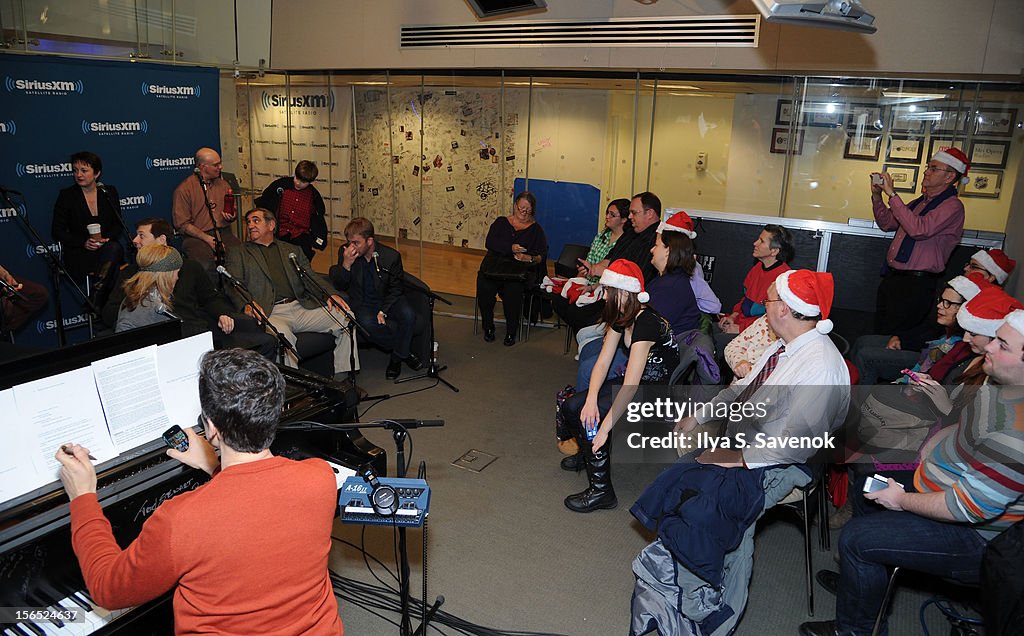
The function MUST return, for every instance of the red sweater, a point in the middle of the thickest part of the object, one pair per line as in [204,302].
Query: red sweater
[755,291]
[246,552]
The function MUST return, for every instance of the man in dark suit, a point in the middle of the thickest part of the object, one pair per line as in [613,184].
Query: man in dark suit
[372,275]
[267,268]
[196,301]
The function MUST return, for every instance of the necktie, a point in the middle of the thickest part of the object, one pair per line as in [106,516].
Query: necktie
[766,370]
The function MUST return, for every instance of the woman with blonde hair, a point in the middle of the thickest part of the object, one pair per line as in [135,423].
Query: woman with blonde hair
[148,294]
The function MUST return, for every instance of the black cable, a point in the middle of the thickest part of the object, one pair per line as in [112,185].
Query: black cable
[367,555]
[391,397]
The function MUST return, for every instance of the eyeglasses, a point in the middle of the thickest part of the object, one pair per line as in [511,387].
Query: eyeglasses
[771,300]
[937,169]
[946,304]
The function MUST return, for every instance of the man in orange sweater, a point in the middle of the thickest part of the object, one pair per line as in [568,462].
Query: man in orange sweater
[245,553]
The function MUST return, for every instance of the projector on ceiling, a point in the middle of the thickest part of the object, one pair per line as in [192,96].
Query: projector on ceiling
[844,15]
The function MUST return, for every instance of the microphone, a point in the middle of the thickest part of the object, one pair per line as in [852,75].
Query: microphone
[226,274]
[164,311]
[376,262]
[295,262]
[4,190]
[195,170]
[102,188]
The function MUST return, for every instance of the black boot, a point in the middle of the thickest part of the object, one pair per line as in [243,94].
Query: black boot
[600,493]
[574,462]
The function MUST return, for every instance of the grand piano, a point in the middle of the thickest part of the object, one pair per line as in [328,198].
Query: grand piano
[38,568]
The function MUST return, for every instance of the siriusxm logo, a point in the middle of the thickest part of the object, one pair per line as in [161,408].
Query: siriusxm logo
[169,163]
[114,127]
[38,87]
[170,92]
[42,170]
[10,213]
[8,127]
[134,202]
[312,100]
[70,321]
[32,250]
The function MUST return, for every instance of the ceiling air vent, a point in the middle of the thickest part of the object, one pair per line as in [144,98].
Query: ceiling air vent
[732,30]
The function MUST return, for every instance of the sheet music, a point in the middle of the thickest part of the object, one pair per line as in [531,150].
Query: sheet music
[178,368]
[129,390]
[60,409]
[17,473]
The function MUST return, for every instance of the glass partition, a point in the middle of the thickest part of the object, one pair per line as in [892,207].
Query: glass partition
[433,159]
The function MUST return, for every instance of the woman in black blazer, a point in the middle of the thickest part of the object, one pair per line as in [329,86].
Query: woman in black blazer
[76,208]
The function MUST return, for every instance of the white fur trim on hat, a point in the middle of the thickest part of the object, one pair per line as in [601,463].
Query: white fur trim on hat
[665,226]
[965,287]
[643,297]
[611,278]
[951,161]
[824,326]
[986,261]
[1016,320]
[978,325]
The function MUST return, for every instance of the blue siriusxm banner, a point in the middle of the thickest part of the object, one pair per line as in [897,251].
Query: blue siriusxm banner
[145,121]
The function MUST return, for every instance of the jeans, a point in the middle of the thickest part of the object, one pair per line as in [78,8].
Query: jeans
[588,358]
[871,545]
[874,362]
[395,335]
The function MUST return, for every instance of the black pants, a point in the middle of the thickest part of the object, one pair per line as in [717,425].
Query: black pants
[395,335]
[577,317]
[573,406]
[512,292]
[247,334]
[903,302]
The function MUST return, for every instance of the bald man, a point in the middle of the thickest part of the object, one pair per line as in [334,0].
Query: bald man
[200,212]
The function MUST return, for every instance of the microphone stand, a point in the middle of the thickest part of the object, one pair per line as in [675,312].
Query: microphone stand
[322,298]
[261,318]
[57,269]
[433,370]
[116,206]
[400,430]
[219,253]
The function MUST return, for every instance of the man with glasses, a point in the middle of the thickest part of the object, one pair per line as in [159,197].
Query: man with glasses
[203,209]
[299,209]
[246,552]
[927,229]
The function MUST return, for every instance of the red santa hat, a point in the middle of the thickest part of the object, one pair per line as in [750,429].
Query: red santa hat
[984,313]
[809,293]
[996,262]
[1016,320]
[970,285]
[626,275]
[679,222]
[955,159]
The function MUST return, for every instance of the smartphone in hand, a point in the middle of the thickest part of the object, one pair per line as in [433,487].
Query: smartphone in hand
[176,438]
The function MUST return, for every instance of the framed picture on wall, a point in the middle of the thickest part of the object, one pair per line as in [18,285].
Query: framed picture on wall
[784,112]
[907,119]
[904,149]
[983,183]
[865,117]
[989,154]
[864,147]
[780,142]
[995,121]
[824,115]
[904,178]
[943,143]
[950,120]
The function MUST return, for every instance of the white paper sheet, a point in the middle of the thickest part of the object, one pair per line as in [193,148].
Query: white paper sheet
[17,473]
[178,368]
[61,409]
[129,390]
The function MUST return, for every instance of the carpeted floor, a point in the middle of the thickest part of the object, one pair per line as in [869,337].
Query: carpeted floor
[502,548]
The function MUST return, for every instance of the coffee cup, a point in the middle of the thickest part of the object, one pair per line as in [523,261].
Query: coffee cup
[95,231]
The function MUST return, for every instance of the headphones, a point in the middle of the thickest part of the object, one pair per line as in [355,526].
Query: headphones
[384,499]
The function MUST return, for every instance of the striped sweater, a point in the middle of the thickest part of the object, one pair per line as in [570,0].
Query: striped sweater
[981,466]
